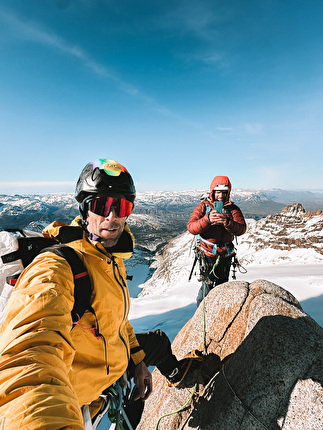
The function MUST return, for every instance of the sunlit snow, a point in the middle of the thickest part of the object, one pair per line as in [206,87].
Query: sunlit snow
[167,300]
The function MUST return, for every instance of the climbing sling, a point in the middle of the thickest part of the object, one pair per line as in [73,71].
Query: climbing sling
[112,406]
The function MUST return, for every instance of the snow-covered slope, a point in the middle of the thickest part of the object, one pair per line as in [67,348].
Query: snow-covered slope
[285,249]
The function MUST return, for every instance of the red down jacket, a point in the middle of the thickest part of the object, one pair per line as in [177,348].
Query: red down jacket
[199,223]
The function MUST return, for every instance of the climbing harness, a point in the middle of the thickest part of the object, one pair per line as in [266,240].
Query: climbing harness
[205,270]
[215,246]
[204,267]
[193,266]
[236,265]
[116,410]
[208,268]
[112,405]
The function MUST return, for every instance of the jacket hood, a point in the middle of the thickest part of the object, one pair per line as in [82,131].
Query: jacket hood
[220,180]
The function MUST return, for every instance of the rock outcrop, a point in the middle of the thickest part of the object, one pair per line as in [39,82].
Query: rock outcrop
[271,370]
[293,228]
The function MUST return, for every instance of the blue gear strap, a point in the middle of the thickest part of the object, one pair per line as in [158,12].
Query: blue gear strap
[215,246]
[229,251]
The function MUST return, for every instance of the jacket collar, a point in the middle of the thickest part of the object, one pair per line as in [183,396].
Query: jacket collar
[74,232]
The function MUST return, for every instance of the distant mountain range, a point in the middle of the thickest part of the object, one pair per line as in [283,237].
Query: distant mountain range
[286,233]
[292,236]
[157,217]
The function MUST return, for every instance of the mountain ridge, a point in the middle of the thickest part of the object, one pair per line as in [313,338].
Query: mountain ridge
[157,216]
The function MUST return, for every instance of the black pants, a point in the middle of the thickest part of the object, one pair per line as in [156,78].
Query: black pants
[157,348]
[212,274]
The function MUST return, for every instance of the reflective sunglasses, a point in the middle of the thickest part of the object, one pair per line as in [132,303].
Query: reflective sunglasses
[103,205]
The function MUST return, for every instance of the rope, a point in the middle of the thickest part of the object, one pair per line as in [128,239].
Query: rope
[204,322]
[204,353]
[240,401]
[214,266]
[195,386]
[169,384]
[179,409]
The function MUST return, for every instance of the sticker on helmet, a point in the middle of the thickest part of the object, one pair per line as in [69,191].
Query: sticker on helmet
[112,168]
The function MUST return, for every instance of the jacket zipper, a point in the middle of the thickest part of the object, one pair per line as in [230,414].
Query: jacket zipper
[122,286]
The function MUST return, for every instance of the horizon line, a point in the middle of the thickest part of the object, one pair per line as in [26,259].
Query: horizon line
[5,185]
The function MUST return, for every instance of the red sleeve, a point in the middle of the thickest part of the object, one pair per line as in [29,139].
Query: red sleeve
[199,220]
[236,224]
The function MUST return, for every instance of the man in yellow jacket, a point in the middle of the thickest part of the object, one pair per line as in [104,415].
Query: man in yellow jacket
[48,371]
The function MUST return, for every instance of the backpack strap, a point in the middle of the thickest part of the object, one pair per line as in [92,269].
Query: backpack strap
[28,248]
[208,206]
[82,283]
[82,290]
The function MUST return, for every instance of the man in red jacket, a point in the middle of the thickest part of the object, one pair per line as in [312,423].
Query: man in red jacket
[216,220]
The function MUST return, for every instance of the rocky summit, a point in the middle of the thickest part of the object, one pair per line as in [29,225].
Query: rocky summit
[262,368]
[293,228]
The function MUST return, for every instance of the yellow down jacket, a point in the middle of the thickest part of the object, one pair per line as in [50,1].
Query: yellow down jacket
[47,370]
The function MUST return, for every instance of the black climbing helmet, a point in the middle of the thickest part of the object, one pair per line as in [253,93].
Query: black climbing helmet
[103,177]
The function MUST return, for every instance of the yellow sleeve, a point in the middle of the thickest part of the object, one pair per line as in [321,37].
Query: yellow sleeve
[36,350]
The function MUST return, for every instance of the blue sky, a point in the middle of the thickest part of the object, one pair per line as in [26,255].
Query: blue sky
[176,90]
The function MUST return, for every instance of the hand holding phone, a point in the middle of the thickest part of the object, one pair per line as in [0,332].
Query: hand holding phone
[218,206]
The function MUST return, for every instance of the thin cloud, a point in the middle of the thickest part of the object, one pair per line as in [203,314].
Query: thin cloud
[253,128]
[208,58]
[37,187]
[202,21]
[196,18]
[32,32]
[275,175]
[225,128]
[38,183]
[214,59]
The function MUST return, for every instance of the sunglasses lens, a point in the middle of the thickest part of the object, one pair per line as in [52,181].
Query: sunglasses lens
[125,208]
[102,206]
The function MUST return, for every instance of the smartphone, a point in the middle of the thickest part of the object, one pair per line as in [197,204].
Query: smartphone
[218,206]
